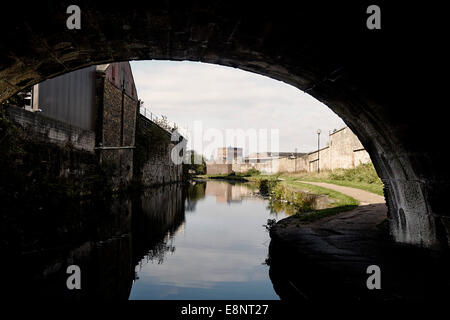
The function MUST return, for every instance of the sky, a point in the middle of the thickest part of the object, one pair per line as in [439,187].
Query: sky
[216,98]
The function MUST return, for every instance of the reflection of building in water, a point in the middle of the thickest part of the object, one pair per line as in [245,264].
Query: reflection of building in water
[105,238]
[158,216]
[226,192]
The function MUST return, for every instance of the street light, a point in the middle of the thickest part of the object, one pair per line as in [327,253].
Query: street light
[295,160]
[318,148]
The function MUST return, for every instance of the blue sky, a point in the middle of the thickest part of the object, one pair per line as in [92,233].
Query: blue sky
[229,98]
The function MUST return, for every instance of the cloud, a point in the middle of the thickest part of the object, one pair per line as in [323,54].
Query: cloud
[223,97]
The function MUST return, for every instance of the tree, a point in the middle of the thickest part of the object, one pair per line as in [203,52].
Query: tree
[164,123]
[194,164]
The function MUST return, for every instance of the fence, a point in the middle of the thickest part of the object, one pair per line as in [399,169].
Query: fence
[170,126]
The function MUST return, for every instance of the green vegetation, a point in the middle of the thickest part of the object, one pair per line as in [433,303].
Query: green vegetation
[362,177]
[295,197]
[266,186]
[234,176]
[341,202]
[252,172]
[191,165]
[363,173]
[287,192]
[301,201]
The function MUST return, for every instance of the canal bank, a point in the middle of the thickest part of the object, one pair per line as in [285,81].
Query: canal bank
[327,259]
[310,201]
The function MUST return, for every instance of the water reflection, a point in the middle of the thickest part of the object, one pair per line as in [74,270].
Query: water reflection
[84,234]
[219,253]
[158,214]
[226,192]
[196,191]
[201,242]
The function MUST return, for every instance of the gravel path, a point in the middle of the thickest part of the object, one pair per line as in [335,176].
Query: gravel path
[371,211]
[364,197]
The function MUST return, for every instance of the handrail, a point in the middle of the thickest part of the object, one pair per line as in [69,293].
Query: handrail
[154,118]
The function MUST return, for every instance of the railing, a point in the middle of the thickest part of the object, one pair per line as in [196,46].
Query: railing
[147,113]
[171,125]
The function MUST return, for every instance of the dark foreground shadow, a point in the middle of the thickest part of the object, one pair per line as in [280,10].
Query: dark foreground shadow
[106,238]
[319,263]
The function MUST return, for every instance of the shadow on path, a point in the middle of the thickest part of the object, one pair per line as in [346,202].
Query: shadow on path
[328,259]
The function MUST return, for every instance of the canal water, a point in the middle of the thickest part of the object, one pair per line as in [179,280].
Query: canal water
[202,241]
[217,252]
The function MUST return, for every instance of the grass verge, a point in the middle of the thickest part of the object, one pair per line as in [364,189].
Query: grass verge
[362,177]
[374,188]
[341,203]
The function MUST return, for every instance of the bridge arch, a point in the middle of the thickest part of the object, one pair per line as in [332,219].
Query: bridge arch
[366,76]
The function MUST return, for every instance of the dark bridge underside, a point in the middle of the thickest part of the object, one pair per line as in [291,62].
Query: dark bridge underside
[378,81]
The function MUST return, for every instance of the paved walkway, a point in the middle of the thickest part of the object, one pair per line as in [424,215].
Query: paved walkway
[371,211]
[364,197]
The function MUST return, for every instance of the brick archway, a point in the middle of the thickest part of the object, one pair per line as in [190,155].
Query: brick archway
[370,78]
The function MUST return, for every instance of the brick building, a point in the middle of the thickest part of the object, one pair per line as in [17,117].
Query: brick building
[96,109]
[344,151]
[99,99]
[228,155]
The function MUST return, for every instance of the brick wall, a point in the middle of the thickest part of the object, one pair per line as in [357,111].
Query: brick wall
[116,130]
[219,168]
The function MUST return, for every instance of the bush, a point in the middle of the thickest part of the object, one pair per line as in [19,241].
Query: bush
[304,202]
[190,165]
[252,172]
[301,201]
[363,173]
[279,192]
[266,186]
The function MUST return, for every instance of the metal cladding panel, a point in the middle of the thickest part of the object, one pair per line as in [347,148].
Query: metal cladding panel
[70,98]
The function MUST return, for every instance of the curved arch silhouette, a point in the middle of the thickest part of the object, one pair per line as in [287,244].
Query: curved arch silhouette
[370,78]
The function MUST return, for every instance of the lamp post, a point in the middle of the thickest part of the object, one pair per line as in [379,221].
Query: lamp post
[295,160]
[318,148]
